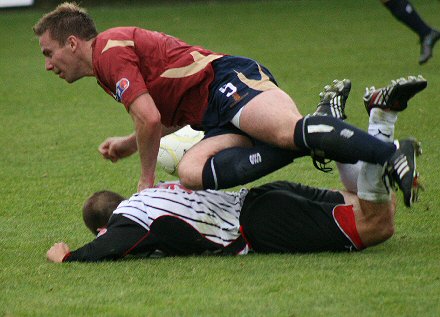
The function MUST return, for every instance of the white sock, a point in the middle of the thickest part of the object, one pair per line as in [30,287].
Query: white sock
[348,173]
[370,184]
[381,124]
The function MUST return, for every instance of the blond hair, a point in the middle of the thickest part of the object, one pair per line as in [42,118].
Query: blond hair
[67,19]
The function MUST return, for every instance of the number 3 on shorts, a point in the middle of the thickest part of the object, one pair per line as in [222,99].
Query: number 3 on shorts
[228,89]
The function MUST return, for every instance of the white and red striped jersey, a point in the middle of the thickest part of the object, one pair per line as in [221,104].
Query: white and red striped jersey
[212,213]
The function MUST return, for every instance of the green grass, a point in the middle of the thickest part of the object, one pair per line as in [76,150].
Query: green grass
[49,164]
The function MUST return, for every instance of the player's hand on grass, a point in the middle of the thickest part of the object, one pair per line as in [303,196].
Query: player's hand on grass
[57,252]
[116,148]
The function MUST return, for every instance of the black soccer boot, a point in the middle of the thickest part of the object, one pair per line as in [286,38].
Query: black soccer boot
[332,104]
[333,99]
[427,44]
[395,96]
[400,170]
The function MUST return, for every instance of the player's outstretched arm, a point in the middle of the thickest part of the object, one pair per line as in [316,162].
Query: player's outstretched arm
[122,237]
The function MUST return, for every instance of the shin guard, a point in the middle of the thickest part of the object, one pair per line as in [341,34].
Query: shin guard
[238,166]
[333,139]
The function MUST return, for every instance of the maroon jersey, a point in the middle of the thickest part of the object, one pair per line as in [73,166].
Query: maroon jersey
[130,61]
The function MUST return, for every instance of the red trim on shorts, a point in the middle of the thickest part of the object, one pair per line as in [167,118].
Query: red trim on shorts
[344,218]
[244,237]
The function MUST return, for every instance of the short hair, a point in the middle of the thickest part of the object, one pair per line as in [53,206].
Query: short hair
[99,207]
[67,19]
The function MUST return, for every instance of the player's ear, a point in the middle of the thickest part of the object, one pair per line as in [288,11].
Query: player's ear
[72,42]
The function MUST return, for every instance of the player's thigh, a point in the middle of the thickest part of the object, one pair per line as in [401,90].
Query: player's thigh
[271,117]
[191,166]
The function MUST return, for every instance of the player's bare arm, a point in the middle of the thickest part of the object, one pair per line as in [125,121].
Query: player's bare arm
[148,129]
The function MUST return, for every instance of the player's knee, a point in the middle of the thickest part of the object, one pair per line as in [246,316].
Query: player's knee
[190,182]
[384,228]
[284,135]
[388,232]
[188,175]
[385,231]
[285,139]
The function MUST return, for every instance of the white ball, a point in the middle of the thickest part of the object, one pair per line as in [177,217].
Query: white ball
[173,147]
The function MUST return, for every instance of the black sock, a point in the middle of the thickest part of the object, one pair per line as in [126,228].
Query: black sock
[238,166]
[405,12]
[334,139]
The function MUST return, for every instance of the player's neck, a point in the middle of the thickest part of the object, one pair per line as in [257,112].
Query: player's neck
[88,57]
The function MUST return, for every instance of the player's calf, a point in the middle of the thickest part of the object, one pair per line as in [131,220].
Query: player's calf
[330,138]
[238,166]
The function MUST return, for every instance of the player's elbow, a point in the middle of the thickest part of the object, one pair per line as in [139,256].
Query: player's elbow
[153,119]
[383,229]
[144,112]
[149,123]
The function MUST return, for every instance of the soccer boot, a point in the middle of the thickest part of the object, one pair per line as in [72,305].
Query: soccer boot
[332,103]
[333,99]
[400,170]
[395,96]
[427,44]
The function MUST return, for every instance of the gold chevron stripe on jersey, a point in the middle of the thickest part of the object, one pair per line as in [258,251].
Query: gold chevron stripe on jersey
[117,43]
[200,62]
[261,84]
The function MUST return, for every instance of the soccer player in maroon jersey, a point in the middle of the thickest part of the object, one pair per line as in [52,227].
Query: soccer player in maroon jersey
[252,127]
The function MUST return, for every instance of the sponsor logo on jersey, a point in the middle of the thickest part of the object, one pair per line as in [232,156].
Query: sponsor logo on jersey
[121,86]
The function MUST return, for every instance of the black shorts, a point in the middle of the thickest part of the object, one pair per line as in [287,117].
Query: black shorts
[284,217]
[237,81]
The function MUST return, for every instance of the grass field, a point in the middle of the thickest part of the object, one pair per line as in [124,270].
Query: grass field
[49,164]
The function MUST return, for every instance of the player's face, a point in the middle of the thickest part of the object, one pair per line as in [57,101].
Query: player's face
[60,59]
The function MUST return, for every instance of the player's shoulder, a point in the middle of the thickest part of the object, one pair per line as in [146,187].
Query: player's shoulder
[118,39]
[120,32]
[114,38]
